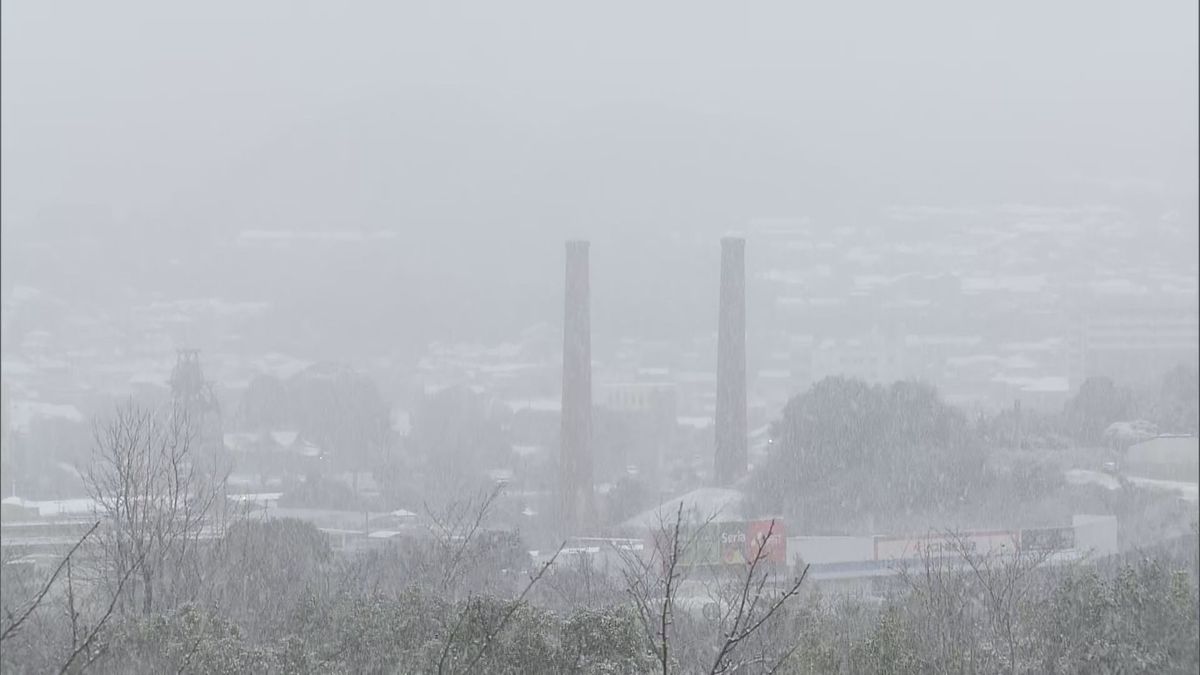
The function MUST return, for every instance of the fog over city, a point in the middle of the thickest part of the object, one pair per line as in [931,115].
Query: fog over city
[541,337]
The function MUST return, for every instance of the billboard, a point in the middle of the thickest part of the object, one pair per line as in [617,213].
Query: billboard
[701,547]
[697,545]
[1048,539]
[728,543]
[769,537]
[997,542]
[735,545]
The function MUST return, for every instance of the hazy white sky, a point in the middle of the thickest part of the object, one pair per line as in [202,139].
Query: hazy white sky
[483,134]
[571,117]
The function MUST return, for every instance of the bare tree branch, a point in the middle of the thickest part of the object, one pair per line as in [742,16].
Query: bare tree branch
[157,491]
[95,631]
[456,535]
[37,599]
[462,616]
[512,610]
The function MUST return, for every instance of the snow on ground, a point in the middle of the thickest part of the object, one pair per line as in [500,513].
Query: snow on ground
[1189,491]
[1186,490]
[56,507]
[1086,477]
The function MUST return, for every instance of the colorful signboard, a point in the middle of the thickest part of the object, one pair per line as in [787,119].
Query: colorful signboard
[700,547]
[734,546]
[729,543]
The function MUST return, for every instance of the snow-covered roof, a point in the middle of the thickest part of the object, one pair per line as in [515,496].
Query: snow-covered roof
[280,365]
[239,441]
[1166,450]
[702,504]
[527,450]
[974,359]
[942,339]
[284,438]
[1036,385]
[55,507]
[500,474]
[538,404]
[1046,344]
[257,497]
[1033,283]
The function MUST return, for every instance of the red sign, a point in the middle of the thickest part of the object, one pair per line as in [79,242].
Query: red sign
[769,537]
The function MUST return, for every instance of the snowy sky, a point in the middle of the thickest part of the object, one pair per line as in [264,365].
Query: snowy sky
[567,117]
[483,134]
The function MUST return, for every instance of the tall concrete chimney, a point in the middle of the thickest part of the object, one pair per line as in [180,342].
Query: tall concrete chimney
[575,459]
[731,430]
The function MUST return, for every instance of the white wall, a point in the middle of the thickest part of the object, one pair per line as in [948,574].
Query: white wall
[1096,535]
[823,550]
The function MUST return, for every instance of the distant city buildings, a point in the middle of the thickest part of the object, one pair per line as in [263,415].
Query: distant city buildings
[5,422]
[1136,342]
[989,305]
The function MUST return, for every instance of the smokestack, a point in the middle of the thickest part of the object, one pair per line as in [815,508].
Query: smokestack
[575,460]
[731,430]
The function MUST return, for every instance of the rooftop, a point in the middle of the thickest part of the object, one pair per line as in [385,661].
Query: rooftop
[704,504]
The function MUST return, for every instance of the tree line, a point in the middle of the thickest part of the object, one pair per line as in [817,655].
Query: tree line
[172,579]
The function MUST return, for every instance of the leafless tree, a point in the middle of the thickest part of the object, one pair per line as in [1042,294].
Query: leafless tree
[13,622]
[959,591]
[156,493]
[1004,581]
[81,651]
[753,604]
[750,599]
[492,634]
[84,649]
[941,600]
[652,580]
[578,582]
[454,527]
